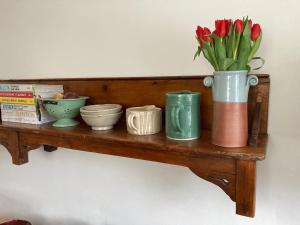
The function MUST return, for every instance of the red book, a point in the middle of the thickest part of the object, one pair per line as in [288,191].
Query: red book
[16,94]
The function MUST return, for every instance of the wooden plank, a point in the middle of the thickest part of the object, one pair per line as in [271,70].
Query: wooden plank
[82,137]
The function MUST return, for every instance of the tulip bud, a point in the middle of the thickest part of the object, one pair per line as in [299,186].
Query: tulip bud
[205,37]
[250,23]
[220,28]
[255,32]
[228,23]
[199,33]
[239,26]
[202,35]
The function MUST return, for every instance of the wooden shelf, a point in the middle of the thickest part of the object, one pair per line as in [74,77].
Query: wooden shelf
[232,169]
[119,137]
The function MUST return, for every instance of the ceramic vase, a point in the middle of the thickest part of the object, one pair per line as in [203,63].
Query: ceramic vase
[230,97]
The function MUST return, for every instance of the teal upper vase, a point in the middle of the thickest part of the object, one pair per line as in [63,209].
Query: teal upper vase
[231,86]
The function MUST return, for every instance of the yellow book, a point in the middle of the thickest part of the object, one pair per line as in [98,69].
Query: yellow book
[25,101]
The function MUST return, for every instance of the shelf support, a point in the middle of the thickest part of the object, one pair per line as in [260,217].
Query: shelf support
[11,140]
[12,144]
[221,172]
[225,181]
[245,187]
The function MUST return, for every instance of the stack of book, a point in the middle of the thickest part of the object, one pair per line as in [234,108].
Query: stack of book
[23,102]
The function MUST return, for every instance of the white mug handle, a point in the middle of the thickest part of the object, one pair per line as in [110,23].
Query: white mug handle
[130,121]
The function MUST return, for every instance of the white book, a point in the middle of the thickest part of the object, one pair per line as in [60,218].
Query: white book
[35,114]
[36,88]
[30,120]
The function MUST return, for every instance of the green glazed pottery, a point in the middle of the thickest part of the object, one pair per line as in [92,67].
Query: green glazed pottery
[64,110]
[183,115]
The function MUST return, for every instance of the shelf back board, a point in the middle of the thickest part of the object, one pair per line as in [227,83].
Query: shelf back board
[139,91]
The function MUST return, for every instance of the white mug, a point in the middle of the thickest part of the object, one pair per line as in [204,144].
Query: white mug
[144,120]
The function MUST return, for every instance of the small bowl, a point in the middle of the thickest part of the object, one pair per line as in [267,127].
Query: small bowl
[101,109]
[102,122]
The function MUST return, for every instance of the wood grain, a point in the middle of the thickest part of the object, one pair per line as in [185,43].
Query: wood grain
[245,187]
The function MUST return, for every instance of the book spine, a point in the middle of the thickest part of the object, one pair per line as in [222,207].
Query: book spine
[30,88]
[7,107]
[29,101]
[16,87]
[30,120]
[16,94]
[18,114]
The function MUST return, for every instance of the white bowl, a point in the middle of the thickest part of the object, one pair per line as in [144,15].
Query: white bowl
[101,109]
[102,122]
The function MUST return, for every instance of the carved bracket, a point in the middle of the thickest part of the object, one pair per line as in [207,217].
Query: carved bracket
[225,181]
[239,186]
[19,152]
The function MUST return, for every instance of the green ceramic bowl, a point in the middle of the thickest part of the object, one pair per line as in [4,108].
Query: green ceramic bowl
[64,110]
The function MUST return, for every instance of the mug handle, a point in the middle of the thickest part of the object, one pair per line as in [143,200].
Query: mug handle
[131,124]
[175,118]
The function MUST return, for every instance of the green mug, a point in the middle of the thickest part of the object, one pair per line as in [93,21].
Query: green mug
[183,115]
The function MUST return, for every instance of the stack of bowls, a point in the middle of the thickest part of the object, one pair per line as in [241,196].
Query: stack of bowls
[101,117]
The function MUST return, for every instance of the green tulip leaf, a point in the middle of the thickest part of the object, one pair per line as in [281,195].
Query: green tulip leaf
[255,47]
[230,42]
[226,63]
[248,68]
[245,47]
[198,52]
[209,54]
[220,50]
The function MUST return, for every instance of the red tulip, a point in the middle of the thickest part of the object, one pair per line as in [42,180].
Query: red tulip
[222,27]
[202,35]
[206,32]
[239,26]
[255,32]
[228,23]
[250,23]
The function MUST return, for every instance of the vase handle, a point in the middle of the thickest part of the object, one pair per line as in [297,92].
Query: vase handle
[252,80]
[208,81]
[262,61]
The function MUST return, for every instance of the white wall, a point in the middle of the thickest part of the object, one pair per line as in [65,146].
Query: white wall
[77,38]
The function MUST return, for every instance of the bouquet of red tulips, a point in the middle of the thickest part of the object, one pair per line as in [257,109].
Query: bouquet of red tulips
[231,46]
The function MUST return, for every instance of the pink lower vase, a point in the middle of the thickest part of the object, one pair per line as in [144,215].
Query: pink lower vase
[230,124]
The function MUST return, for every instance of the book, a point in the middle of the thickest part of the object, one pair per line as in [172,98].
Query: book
[16,94]
[23,102]
[30,88]
[30,120]
[30,101]
[27,93]
[34,114]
